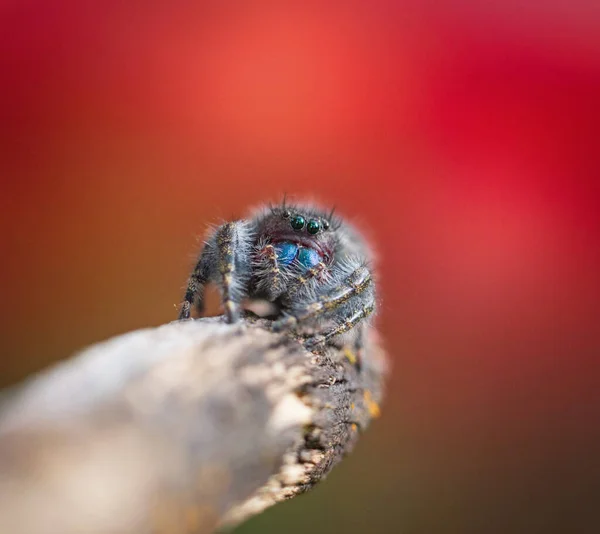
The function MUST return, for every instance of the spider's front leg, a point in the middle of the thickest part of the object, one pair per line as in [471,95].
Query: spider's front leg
[362,308]
[347,300]
[225,260]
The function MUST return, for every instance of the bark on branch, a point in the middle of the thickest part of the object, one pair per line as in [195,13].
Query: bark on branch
[179,428]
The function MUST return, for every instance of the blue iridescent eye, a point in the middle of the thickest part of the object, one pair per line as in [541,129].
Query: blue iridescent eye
[308,257]
[286,252]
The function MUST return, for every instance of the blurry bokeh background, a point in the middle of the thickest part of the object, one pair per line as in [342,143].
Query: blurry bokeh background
[463,138]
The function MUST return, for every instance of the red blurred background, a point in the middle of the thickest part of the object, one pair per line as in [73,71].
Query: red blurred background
[462,136]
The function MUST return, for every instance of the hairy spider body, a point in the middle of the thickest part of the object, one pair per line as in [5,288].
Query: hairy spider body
[313,268]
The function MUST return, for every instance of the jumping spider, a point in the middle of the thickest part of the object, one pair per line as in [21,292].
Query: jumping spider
[312,267]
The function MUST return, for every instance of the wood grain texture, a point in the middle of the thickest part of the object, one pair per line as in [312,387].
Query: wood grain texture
[179,428]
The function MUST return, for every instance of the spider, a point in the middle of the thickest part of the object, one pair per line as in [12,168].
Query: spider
[312,267]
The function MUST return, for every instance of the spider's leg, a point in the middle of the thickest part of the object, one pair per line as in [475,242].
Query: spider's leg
[234,243]
[354,351]
[359,347]
[225,261]
[195,289]
[358,281]
[348,324]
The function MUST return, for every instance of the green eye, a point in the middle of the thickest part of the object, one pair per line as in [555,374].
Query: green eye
[297,222]
[313,227]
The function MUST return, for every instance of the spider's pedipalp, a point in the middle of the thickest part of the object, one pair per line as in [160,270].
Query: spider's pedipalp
[267,267]
[302,280]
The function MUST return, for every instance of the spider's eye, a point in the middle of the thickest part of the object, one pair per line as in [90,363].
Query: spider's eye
[286,252]
[313,227]
[308,257]
[286,214]
[325,224]
[297,222]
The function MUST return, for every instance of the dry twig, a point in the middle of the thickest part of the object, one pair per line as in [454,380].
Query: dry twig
[179,428]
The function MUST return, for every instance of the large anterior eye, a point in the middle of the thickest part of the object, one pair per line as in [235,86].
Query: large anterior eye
[286,252]
[308,257]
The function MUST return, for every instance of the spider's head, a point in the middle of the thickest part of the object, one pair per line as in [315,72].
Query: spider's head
[302,236]
[301,244]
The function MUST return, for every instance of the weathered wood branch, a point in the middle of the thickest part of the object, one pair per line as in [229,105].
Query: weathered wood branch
[179,428]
